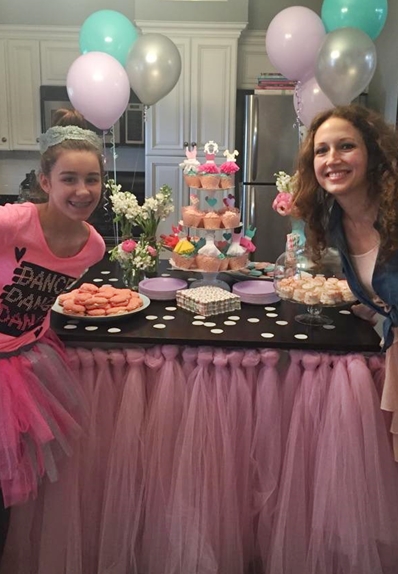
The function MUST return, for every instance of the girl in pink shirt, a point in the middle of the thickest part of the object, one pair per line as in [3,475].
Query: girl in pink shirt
[44,248]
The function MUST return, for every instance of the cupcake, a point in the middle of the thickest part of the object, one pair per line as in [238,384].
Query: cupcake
[190,166]
[211,220]
[208,263]
[192,216]
[208,171]
[223,263]
[230,218]
[183,261]
[228,170]
[237,262]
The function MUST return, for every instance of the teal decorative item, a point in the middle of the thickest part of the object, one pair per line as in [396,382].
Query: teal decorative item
[367,15]
[212,201]
[298,227]
[110,32]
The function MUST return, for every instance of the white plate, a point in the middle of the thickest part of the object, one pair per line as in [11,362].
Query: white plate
[102,318]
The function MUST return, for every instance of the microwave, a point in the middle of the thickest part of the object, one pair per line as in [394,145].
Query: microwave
[129,130]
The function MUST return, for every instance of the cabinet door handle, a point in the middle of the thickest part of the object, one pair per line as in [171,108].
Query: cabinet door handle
[37,139]
[3,139]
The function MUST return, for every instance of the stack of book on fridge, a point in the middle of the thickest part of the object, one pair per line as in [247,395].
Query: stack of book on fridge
[274,83]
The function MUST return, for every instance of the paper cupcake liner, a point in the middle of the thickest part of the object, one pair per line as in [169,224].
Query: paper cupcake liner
[210,181]
[192,180]
[183,261]
[207,263]
[227,182]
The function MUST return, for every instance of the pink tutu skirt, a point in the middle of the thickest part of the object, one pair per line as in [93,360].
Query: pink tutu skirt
[41,404]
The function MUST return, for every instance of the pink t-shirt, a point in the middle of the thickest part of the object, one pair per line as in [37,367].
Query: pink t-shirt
[31,276]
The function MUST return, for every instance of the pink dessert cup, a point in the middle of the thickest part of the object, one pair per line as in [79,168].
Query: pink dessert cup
[238,262]
[183,261]
[207,263]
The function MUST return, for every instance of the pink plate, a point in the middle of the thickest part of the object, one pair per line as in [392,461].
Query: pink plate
[256,292]
[161,288]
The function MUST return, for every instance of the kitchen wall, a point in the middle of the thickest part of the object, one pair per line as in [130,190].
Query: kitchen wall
[383,92]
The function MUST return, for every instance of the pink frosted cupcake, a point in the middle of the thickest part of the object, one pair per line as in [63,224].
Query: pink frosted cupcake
[212,220]
[238,262]
[209,172]
[183,261]
[231,218]
[209,176]
[191,216]
[208,263]
[190,166]
[228,170]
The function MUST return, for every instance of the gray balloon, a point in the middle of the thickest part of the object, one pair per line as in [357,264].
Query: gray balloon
[346,64]
[153,67]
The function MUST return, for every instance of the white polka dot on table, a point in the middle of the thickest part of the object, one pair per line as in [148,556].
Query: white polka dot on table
[98,280]
[301,336]
[70,326]
[267,335]
[234,318]
[113,279]
[271,314]
[199,317]
[151,317]
[253,320]
[91,328]
[329,327]
[281,322]
[191,279]
[105,272]
[216,331]
[114,330]
[270,308]
[171,308]
[197,323]
[168,317]
[159,326]
[229,322]
[165,274]
[345,312]
[209,324]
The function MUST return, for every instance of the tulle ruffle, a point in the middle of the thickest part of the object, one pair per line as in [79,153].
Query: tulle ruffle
[214,461]
[41,409]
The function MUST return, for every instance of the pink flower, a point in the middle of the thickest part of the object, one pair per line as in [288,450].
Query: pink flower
[152,251]
[283,203]
[129,245]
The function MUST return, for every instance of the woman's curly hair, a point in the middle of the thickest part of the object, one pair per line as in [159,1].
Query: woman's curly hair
[314,203]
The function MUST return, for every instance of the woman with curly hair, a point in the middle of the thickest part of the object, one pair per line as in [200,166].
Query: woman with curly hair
[347,193]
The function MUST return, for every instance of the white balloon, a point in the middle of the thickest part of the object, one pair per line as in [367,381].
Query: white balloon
[153,67]
[346,64]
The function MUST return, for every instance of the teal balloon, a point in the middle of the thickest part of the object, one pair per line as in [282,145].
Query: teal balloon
[367,15]
[110,32]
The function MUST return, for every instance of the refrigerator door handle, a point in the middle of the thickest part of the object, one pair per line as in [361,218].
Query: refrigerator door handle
[255,139]
[250,154]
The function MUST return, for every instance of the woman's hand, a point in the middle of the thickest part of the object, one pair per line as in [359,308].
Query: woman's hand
[365,313]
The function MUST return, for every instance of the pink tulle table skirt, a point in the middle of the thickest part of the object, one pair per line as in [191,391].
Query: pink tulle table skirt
[213,461]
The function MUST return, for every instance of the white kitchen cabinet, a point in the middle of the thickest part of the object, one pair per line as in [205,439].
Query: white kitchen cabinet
[4,121]
[56,57]
[201,107]
[166,171]
[19,94]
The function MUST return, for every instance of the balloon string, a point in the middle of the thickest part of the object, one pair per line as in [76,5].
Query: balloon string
[299,103]
[114,157]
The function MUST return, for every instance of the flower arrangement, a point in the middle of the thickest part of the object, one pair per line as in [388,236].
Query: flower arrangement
[137,256]
[129,213]
[285,184]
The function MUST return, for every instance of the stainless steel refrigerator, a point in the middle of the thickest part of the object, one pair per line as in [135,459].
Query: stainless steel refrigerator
[270,140]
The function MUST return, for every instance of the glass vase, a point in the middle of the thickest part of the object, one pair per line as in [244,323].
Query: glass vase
[131,277]
[298,227]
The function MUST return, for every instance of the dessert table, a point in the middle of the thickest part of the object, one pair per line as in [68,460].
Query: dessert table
[244,443]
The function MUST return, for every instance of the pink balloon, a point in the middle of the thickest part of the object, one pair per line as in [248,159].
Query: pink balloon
[292,42]
[309,100]
[99,88]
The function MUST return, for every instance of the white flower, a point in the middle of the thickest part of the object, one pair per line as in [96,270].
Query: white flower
[285,183]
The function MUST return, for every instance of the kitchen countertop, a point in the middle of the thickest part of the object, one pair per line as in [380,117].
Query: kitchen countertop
[256,326]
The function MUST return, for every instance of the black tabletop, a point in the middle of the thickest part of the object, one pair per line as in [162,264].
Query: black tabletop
[162,322]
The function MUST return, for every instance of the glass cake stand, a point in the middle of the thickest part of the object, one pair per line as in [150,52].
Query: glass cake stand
[299,280]
[204,277]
